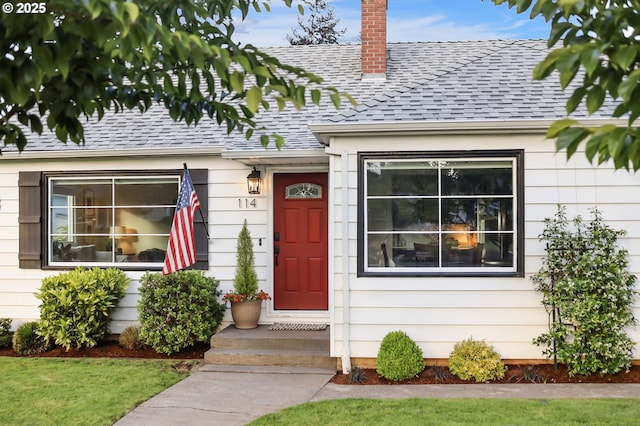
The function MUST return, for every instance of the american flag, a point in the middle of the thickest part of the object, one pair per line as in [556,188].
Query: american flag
[181,250]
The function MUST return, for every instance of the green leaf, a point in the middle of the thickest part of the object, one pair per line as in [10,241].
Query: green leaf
[624,56]
[595,98]
[279,141]
[566,76]
[628,86]
[335,98]
[254,98]
[557,32]
[315,96]
[590,59]
[593,146]
[574,100]
[63,66]
[558,126]
[132,10]
[523,5]
[617,141]
[634,151]
[237,81]
[570,138]
[544,68]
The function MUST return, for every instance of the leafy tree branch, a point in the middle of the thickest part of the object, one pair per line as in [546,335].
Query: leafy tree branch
[596,42]
[85,57]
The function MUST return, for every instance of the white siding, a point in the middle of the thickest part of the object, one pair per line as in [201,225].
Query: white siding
[227,184]
[438,312]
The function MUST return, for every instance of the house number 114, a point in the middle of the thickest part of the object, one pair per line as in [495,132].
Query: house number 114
[245,203]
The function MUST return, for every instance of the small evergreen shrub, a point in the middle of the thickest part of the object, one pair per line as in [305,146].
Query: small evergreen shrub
[130,338]
[27,341]
[77,305]
[356,375]
[5,332]
[178,310]
[399,357]
[477,360]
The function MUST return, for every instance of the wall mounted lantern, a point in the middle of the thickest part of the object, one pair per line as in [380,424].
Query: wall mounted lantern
[254,182]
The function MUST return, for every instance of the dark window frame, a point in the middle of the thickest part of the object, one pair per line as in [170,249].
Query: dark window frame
[517,155]
[33,216]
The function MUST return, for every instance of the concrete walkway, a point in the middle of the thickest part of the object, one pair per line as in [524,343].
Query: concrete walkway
[236,395]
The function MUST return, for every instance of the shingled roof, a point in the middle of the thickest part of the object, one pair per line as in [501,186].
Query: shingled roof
[425,81]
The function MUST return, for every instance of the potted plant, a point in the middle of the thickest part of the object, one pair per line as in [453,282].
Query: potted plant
[246,299]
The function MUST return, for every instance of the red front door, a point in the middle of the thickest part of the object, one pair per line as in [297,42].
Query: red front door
[300,241]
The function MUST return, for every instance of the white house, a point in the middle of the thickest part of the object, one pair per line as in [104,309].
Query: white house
[417,210]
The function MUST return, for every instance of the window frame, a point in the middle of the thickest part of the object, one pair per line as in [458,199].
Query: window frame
[112,180]
[517,270]
[34,217]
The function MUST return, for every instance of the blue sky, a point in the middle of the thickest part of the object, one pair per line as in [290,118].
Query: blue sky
[408,20]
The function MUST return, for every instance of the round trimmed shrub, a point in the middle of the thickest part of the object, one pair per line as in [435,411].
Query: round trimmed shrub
[130,338]
[473,359]
[27,341]
[178,310]
[399,357]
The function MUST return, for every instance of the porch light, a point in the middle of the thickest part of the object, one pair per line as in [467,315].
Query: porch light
[254,181]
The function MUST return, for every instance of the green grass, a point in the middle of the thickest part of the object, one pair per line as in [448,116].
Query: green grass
[48,391]
[458,412]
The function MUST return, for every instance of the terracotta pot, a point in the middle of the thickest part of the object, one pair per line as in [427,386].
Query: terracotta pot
[246,314]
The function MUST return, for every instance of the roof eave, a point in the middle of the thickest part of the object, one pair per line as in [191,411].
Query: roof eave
[325,131]
[274,157]
[112,153]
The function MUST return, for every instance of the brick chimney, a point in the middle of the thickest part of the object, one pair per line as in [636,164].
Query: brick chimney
[374,39]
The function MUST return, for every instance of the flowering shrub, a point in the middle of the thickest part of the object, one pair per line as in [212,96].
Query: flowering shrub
[237,297]
[585,282]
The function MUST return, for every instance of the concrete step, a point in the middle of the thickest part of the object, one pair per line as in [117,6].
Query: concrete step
[263,338]
[262,369]
[270,357]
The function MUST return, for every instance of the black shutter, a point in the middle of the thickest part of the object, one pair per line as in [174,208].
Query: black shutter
[29,220]
[200,179]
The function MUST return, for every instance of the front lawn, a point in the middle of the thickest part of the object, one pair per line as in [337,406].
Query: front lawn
[71,391]
[458,412]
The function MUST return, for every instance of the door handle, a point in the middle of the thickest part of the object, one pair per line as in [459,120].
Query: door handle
[276,252]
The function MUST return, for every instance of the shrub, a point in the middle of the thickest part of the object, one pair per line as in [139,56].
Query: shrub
[5,332]
[356,375]
[77,305]
[477,360]
[130,338]
[178,310]
[585,282]
[399,357]
[27,341]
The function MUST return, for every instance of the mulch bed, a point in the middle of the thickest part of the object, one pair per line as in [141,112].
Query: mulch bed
[543,373]
[111,349]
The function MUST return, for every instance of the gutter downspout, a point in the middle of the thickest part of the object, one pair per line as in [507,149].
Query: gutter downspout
[346,338]
[346,296]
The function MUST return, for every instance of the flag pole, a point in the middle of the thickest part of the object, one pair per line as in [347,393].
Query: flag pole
[204,220]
